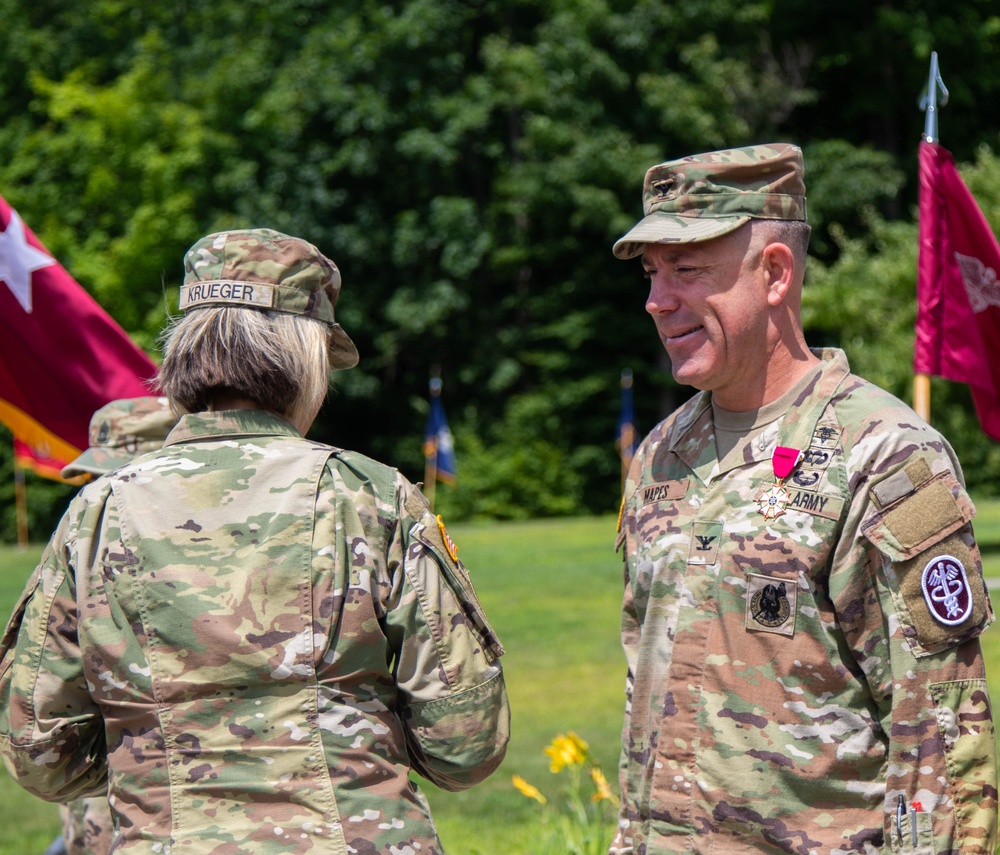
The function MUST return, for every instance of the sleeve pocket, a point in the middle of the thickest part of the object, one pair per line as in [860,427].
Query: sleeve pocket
[9,639]
[934,569]
[430,534]
[962,708]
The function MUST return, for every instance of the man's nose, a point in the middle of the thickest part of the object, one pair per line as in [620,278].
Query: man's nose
[662,297]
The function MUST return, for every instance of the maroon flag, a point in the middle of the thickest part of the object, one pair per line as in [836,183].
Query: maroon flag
[61,355]
[958,294]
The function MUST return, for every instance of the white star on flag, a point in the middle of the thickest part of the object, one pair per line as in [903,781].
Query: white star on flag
[18,260]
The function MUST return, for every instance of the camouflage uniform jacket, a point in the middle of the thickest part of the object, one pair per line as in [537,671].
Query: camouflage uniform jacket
[249,639]
[87,826]
[789,678]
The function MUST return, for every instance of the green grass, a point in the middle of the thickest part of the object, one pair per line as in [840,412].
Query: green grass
[552,590]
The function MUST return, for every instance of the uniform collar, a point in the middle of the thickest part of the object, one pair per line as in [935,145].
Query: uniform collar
[694,441]
[194,427]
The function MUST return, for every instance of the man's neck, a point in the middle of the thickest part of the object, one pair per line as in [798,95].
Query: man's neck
[783,370]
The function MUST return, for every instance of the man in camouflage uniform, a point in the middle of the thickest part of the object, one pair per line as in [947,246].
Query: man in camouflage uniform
[803,592]
[247,638]
[119,431]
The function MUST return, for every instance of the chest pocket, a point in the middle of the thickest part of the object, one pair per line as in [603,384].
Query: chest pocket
[785,532]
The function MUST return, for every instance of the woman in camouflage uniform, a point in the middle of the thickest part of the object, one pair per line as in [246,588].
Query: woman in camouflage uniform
[249,638]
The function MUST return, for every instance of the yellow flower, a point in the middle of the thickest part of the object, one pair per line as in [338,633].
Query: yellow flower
[603,787]
[528,790]
[566,750]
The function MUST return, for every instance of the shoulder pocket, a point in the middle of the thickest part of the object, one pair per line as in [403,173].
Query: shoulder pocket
[430,532]
[9,638]
[922,525]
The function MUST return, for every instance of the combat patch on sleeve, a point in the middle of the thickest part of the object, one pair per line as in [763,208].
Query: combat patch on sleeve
[944,592]
[620,530]
[922,526]
[449,544]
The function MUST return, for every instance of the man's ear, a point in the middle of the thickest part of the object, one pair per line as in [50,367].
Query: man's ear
[778,264]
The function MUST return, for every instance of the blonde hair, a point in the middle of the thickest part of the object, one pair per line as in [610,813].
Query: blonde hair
[278,360]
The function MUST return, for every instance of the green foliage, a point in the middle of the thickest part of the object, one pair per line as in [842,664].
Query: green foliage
[847,185]
[468,164]
[44,500]
[581,819]
[510,480]
[865,302]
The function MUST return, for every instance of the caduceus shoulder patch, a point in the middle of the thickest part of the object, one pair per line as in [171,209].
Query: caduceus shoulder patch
[946,590]
[922,524]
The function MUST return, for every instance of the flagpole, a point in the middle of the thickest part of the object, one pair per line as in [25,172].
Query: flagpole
[628,431]
[21,504]
[929,104]
[431,455]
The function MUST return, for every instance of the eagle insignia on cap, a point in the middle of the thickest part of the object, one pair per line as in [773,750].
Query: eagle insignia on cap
[664,187]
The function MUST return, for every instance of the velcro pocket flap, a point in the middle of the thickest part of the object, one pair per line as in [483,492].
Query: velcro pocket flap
[919,519]
[923,528]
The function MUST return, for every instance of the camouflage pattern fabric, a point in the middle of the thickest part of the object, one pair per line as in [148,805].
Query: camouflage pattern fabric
[87,827]
[790,677]
[267,270]
[120,431]
[248,640]
[704,196]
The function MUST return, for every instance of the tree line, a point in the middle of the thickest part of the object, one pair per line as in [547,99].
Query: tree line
[468,164]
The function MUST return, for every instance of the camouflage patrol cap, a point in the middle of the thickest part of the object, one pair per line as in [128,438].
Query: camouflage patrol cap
[707,195]
[120,431]
[265,269]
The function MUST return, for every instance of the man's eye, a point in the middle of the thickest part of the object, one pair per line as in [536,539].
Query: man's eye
[647,275]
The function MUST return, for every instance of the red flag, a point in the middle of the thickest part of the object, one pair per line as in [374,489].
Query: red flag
[61,355]
[958,294]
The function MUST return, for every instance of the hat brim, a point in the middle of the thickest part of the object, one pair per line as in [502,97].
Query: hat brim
[88,462]
[661,227]
[343,353]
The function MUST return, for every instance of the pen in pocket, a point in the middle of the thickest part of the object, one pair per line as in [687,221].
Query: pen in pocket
[916,808]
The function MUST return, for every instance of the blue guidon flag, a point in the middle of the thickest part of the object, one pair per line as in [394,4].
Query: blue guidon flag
[627,440]
[439,448]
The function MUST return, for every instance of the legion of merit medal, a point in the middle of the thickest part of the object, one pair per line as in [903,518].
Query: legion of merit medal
[772,502]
